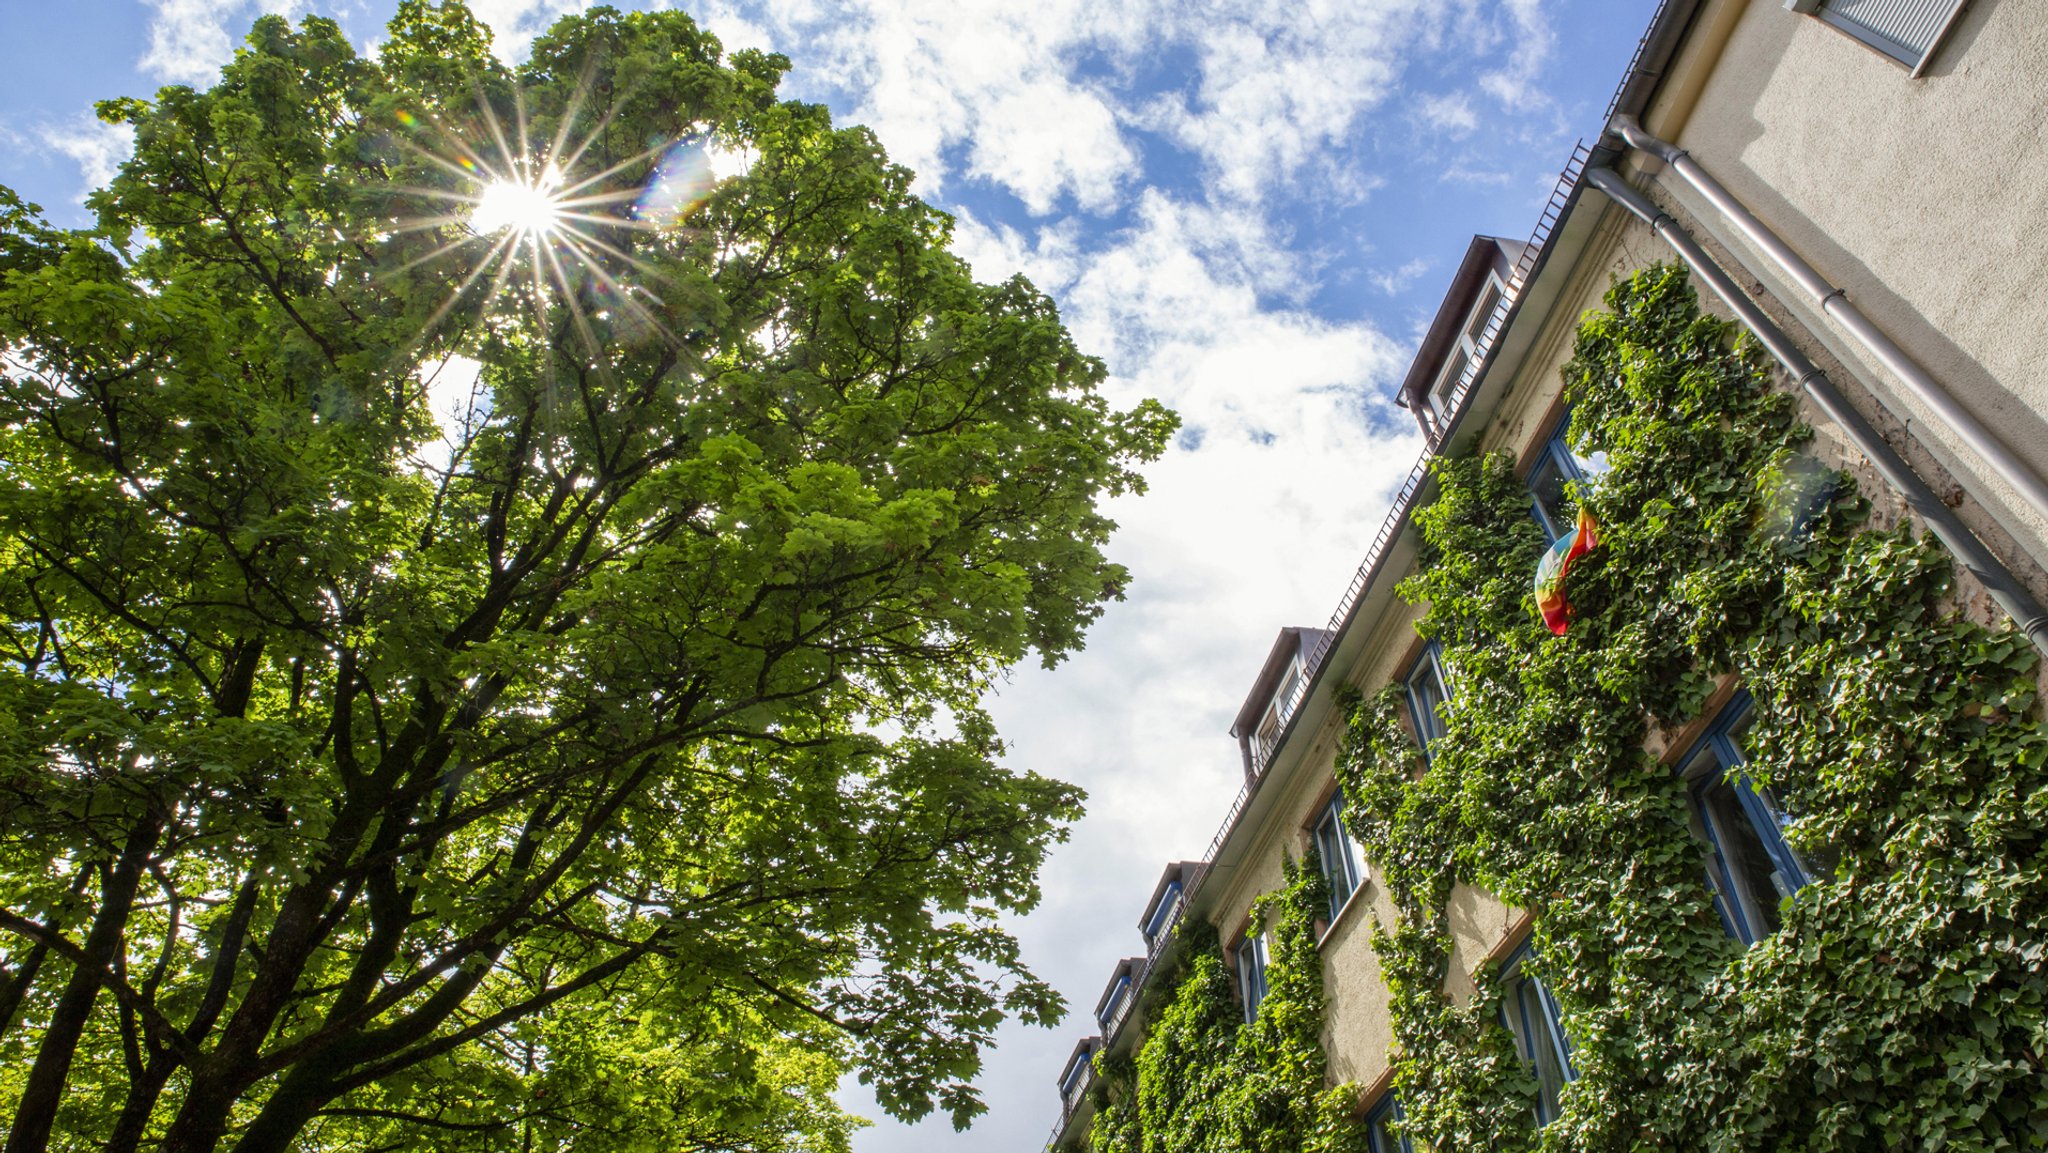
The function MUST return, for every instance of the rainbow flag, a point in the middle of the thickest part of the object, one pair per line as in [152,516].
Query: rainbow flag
[1550,572]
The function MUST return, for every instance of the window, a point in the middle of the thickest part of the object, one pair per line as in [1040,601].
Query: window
[1251,973]
[1379,1132]
[1340,860]
[1908,31]
[1467,349]
[1162,914]
[1555,465]
[1528,1011]
[1112,1006]
[1079,1072]
[1751,869]
[1428,690]
[1277,712]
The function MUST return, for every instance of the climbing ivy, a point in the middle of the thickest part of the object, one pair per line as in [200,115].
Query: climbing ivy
[1204,1080]
[1903,1004]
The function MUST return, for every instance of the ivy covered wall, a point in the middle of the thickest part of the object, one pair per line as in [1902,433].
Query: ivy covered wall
[1205,1081]
[1903,1005]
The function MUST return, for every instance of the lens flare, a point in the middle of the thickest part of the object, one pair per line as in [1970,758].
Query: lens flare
[529,209]
[533,218]
[680,182]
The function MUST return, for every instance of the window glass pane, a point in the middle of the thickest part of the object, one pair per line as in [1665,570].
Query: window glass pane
[1754,881]
[1269,732]
[1483,313]
[1534,1024]
[1549,1071]
[1752,867]
[1339,868]
[1546,485]
[1448,382]
[1426,693]
[1251,970]
[1379,1128]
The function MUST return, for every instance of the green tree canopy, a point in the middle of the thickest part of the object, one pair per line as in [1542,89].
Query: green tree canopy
[601,766]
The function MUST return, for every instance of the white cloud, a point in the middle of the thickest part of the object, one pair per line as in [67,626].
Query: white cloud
[98,148]
[1280,85]
[515,23]
[1531,40]
[1450,113]
[1395,282]
[990,80]
[190,39]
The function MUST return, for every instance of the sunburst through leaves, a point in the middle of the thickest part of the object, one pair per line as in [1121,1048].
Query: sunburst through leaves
[533,216]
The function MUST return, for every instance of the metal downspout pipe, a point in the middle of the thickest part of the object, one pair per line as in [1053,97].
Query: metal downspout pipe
[1837,307]
[1970,552]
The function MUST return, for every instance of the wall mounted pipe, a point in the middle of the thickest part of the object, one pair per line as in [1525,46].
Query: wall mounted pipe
[1970,552]
[1838,308]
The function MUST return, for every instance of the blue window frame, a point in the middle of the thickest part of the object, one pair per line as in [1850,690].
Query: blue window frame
[1115,1001]
[1751,869]
[1078,1067]
[1555,466]
[1339,859]
[1530,1013]
[1251,973]
[1380,1135]
[1428,691]
[1162,913]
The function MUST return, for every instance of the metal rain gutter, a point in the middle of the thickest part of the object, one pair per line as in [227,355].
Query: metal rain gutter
[1998,581]
[1838,308]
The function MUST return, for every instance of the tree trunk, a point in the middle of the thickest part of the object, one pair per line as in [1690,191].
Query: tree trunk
[36,1113]
[143,1091]
[18,983]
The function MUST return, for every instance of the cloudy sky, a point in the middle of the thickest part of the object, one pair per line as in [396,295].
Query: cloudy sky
[1249,208]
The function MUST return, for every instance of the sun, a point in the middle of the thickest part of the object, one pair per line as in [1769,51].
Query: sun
[530,216]
[532,209]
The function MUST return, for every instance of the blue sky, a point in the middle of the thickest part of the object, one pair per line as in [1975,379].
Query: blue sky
[1248,208]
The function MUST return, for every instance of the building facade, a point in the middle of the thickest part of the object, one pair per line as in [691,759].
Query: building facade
[1740,851]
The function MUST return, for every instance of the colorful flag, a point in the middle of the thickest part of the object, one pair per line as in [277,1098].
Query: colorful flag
[1550,573]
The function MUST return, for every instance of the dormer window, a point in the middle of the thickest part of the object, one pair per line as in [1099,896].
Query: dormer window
[1467,349]
[1163,914]
[1277,712]
[1283,683]
[1113,1004]
[1079,1073]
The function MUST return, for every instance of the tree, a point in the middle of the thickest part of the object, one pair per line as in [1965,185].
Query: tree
[599,765]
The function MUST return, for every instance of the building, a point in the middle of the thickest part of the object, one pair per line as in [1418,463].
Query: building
[1852,182]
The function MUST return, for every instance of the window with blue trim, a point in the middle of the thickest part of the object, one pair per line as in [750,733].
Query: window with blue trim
[1251,973]
[1115,1001]
[1079,1066]
[1751,869]
[1428,691]
[1556,467]
[1339,857]
[1380,1136]
[1530,1013]
[1162,913]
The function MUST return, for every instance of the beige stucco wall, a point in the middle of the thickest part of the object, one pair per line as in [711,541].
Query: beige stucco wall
[1925,198]
[1359,1031]
[1479,925]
